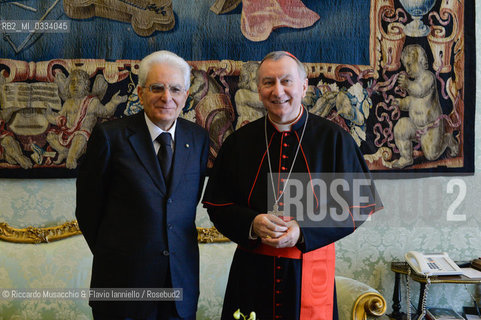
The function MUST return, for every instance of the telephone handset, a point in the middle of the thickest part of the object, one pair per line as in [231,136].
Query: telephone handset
[437,264]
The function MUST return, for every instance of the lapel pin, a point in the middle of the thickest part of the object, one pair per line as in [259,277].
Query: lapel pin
[187,145]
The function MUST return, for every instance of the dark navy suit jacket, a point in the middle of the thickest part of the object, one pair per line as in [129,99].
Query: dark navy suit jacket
[136,227]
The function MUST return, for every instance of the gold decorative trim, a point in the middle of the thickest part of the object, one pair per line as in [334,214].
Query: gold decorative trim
[210,235]
[368,305]
[71,228]
[38,235]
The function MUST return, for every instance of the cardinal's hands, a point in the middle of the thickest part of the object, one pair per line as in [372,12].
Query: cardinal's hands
[276,232]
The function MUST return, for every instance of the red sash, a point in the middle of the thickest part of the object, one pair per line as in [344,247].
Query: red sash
[318,270]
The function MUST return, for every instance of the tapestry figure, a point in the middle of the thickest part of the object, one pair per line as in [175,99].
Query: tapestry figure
[247,102]
[425,122]
[78,116]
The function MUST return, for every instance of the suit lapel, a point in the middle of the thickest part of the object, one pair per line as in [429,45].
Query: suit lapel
[183,145]
[141,142]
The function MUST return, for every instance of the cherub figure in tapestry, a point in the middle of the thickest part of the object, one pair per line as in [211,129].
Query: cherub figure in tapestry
[79,114]
[425,123]
[248,105]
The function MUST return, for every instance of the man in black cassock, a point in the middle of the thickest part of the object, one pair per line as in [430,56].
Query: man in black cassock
[283,268]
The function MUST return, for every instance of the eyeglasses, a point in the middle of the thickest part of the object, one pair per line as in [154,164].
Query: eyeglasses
[159,88]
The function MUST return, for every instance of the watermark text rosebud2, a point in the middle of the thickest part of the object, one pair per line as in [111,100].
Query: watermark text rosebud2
[337,199]
[452,185]
[94,294]
[327,200]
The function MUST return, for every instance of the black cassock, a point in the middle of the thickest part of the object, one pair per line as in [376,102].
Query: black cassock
[238,189]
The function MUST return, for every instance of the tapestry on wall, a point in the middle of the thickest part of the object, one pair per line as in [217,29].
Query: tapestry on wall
[397,74]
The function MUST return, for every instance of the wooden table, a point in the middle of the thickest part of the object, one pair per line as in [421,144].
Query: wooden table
[402,268]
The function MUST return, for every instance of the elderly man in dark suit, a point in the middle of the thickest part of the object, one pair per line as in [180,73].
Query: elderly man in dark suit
[137,192]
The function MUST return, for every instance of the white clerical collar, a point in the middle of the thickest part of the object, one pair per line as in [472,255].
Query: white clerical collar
[281,127]
[155,131]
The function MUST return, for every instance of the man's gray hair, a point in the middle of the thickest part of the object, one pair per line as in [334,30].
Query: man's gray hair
[276,55]
[168,58]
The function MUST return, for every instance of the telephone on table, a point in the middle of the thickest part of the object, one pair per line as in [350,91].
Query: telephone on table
[436,264]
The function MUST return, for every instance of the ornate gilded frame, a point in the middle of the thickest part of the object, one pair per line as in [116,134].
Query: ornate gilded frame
[71,228]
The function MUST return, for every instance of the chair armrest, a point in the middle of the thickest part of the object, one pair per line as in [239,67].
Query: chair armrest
[357,300]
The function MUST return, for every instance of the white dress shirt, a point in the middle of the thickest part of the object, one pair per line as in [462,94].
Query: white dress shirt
[155,131]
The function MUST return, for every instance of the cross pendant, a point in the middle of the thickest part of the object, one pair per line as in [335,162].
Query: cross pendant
[275,211]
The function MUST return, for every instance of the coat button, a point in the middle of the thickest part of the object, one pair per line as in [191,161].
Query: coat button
[169,200]
[165,252]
